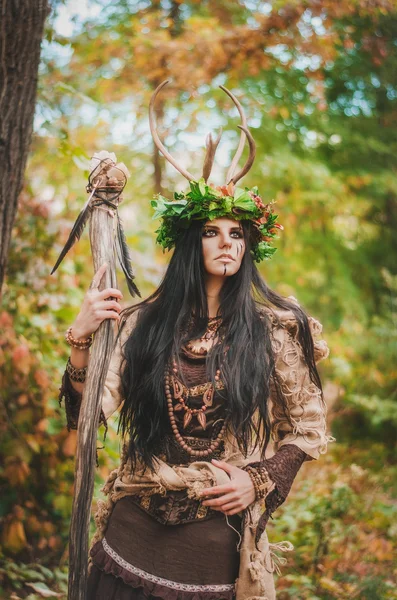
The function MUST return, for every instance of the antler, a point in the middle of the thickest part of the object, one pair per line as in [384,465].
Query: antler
[210,143]
[210,154]
[156,138]
[240,148]
[251,157]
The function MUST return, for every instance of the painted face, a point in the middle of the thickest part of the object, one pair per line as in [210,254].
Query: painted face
[223,246]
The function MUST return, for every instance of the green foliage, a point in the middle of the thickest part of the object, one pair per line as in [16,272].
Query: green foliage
[48,583]
[341,520]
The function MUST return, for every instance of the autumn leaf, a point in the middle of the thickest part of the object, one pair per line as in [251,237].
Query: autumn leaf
[21,359]
[13,538]
[41,378]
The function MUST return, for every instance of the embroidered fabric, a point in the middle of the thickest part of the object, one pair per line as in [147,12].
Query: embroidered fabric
[282,468]
[175,508]
[185,587]
[153,586]
[297,408]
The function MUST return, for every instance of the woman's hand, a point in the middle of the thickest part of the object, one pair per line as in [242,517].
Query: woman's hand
[232,497]
[96,308]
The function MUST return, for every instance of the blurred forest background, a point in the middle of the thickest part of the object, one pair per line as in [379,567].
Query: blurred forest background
[318,81]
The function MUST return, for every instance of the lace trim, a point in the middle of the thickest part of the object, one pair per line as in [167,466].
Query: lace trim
[184,587]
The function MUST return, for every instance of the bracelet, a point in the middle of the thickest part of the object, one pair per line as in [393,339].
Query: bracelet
[76,374]
[260,479]
[75,343]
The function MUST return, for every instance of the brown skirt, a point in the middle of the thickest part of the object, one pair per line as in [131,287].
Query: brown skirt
[141,558]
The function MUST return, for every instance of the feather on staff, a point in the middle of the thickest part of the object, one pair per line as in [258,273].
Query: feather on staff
[124,257]
[77,230]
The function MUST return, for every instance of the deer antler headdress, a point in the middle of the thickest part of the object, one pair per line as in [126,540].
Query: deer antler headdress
[205,202]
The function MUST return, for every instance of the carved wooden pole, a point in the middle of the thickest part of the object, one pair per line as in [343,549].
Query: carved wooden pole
[102,240]
[106,183]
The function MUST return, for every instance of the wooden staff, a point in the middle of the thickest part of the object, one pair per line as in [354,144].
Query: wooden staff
[102,248]
[107,238]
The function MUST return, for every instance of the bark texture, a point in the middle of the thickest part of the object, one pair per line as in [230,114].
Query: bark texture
[102,247]
[21,32]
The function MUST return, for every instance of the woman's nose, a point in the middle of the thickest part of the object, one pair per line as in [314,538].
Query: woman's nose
[226,241]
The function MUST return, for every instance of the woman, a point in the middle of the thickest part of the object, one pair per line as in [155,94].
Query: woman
[205,370]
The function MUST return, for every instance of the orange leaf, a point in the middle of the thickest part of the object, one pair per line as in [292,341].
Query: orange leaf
[14,537]
[42,379]
[21,358]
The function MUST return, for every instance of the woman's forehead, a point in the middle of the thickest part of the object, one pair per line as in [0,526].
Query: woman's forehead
[223,222]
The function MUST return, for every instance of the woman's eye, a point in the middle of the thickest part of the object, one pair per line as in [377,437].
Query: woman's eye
[213,233]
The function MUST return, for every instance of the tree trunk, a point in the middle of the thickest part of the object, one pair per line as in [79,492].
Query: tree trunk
[21,32]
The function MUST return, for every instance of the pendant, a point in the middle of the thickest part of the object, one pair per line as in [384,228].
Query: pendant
[208,396]
[178,388]
[186,419]
[202,419]
[178,406]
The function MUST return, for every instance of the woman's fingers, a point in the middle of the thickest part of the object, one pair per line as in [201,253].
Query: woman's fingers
[232,506]
[219,489]
[233,511]
[220,501]
[98,276]
[235,506]
[108,314]
[109,293]
[108,305]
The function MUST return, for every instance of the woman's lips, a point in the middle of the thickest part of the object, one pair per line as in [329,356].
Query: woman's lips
[225,259]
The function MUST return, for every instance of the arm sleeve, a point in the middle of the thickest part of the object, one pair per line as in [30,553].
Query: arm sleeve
[301,418]
[299,423]
[112,393]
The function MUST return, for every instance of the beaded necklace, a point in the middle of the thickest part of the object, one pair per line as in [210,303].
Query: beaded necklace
[181,393]
[183,443]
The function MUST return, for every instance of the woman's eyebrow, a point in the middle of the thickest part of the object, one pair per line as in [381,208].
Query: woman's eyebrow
[237,228]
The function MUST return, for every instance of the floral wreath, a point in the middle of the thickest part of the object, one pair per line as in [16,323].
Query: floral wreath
[206,202]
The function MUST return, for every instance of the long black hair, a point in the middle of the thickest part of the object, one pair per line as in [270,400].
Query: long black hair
[244,355]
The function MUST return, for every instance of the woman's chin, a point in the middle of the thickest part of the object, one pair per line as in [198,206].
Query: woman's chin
[222,270]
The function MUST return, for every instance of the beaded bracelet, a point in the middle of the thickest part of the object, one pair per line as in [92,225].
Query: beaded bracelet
[76,374]
[75,343]
[260,479]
